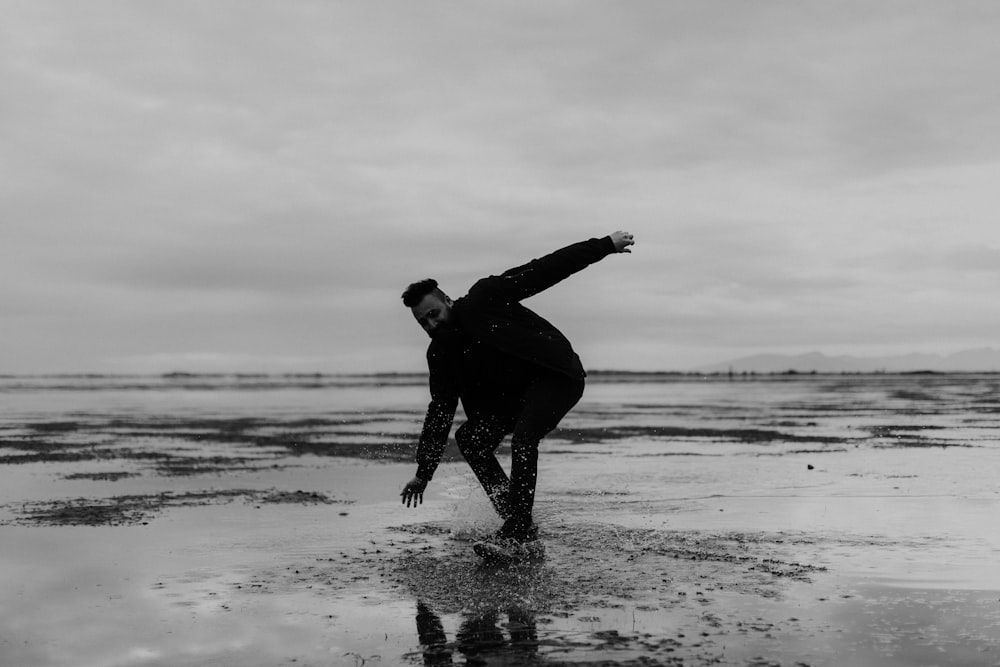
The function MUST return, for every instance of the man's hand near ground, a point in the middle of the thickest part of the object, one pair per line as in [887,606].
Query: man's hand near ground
[413,492]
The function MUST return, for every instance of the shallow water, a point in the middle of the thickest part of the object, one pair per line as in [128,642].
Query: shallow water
[759,520]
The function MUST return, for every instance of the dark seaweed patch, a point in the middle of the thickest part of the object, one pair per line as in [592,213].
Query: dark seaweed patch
[130,510]
[297,498]
[609,433]
[54,426]
[100,476]
[125,438]
[907,435]
[916,443]
[891,430]
[911,395]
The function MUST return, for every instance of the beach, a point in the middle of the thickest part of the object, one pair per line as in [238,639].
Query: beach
[688,520]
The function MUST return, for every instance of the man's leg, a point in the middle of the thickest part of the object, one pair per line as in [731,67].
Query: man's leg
[478,439]
[546,402]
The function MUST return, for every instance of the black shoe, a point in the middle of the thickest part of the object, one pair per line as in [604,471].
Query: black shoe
[507,534]
[496,549]
[520,537]
[516,531]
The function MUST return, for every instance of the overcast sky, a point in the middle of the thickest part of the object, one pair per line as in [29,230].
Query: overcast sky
[249,185]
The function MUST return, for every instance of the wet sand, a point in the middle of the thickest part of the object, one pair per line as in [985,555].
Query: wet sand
[684,524]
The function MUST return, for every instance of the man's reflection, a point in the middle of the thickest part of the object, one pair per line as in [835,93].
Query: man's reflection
[480,638]
[430,632]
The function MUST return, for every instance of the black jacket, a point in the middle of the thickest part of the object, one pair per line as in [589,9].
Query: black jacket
[490,321]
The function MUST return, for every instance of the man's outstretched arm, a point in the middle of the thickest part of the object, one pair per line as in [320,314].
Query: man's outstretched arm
[538,275]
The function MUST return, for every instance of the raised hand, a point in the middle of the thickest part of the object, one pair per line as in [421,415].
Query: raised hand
[622,241]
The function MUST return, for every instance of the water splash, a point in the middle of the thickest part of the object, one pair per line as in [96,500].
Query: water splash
[470,513]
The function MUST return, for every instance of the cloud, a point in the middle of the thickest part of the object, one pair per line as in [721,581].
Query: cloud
[174,172]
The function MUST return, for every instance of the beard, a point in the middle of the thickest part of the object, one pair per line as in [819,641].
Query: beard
[446,331]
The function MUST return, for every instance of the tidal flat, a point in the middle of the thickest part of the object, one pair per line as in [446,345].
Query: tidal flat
[688,520]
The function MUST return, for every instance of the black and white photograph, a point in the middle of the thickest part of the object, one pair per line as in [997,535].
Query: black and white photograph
[575,333]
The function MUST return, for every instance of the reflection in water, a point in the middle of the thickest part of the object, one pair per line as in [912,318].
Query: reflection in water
[430,633]
[480,638]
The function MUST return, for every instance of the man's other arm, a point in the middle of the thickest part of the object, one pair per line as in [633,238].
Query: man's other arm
[437,425]
[540,274]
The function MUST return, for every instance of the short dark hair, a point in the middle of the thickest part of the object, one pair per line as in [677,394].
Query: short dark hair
[415,293]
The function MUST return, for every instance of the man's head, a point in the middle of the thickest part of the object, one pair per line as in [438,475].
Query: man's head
[430,306]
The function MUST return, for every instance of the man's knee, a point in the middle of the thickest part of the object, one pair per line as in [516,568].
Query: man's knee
[475,438]
[464,439]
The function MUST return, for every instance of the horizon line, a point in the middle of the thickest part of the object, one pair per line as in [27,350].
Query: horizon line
[406,374]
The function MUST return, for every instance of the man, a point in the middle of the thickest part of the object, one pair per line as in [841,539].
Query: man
[515,374]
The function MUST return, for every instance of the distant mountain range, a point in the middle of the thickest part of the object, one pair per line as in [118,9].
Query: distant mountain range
[979,360]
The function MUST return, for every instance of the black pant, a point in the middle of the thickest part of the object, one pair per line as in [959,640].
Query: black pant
[528,417]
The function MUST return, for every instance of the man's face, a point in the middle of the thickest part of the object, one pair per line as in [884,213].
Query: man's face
[433,314]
